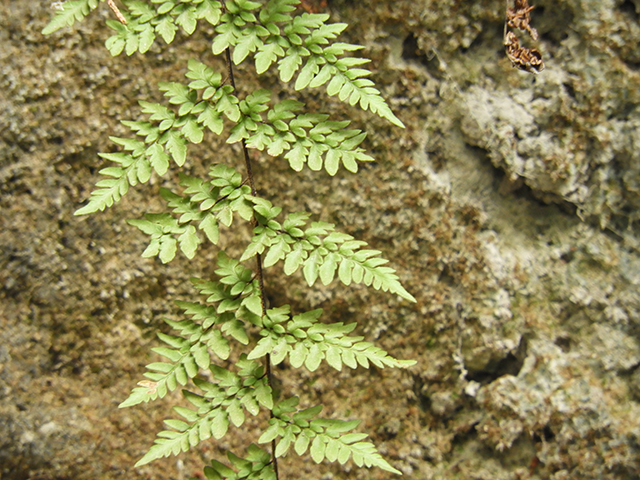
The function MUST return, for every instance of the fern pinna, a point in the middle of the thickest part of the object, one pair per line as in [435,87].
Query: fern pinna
[232,310]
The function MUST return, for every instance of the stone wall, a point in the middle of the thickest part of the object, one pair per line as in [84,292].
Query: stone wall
[508,206]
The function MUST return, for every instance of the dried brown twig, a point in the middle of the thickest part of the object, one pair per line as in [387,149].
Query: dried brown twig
[116,10]
[520,16]
[527,59]
[524,58]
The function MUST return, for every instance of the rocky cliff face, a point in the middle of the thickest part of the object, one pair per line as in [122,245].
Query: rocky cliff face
[508,205]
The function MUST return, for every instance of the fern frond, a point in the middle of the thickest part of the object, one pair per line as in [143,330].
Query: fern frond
[222,402]
[303,47]
[185,436]
[323,438]
[210,203]
[145,22]
[237,293]
[349,87]
[137,165]
[230,31]
[310,139]
[321,252]
[169,132]
[68,13]
[109,190]
[166,235]
[304,50]
[308,342]
[186,358]
[256,466]
[203,334]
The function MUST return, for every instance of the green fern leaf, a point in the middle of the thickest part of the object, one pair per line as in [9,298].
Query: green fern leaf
[189,241]
[264,395]
[142,10]
[220,425]
[110,191]
[298,355]
[192,131]
[158,158]
[227,36]
[177,147]
[146,38]
[68,13]
[167,29]
[236,413]
[187,20]
[249,42]
[322,260]
[210,10]
[307,342]
[308,72]
[318,447]
[256,466]
[170,442]
[268,53]
[219,345]
[290,63]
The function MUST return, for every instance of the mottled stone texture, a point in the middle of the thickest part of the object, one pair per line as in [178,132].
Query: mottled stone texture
[508,206]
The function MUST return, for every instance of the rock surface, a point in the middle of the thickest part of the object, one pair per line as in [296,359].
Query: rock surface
[508,206]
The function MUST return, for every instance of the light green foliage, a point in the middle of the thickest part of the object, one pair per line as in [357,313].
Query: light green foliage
[203,103]
[324,438]
[256,466]
[230,303]
[206,203]
[162,17]
[69,13]
[223,346]
[319,249]
[218,404]
[307,342]
[306,138]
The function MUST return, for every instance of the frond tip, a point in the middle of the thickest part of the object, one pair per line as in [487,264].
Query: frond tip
[68,13]
[321,251]
[307,341]
[325,439]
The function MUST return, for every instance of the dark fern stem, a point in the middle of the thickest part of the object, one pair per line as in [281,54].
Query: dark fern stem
[260,275]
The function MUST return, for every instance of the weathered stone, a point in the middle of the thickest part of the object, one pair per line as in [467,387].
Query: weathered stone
[508,205]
